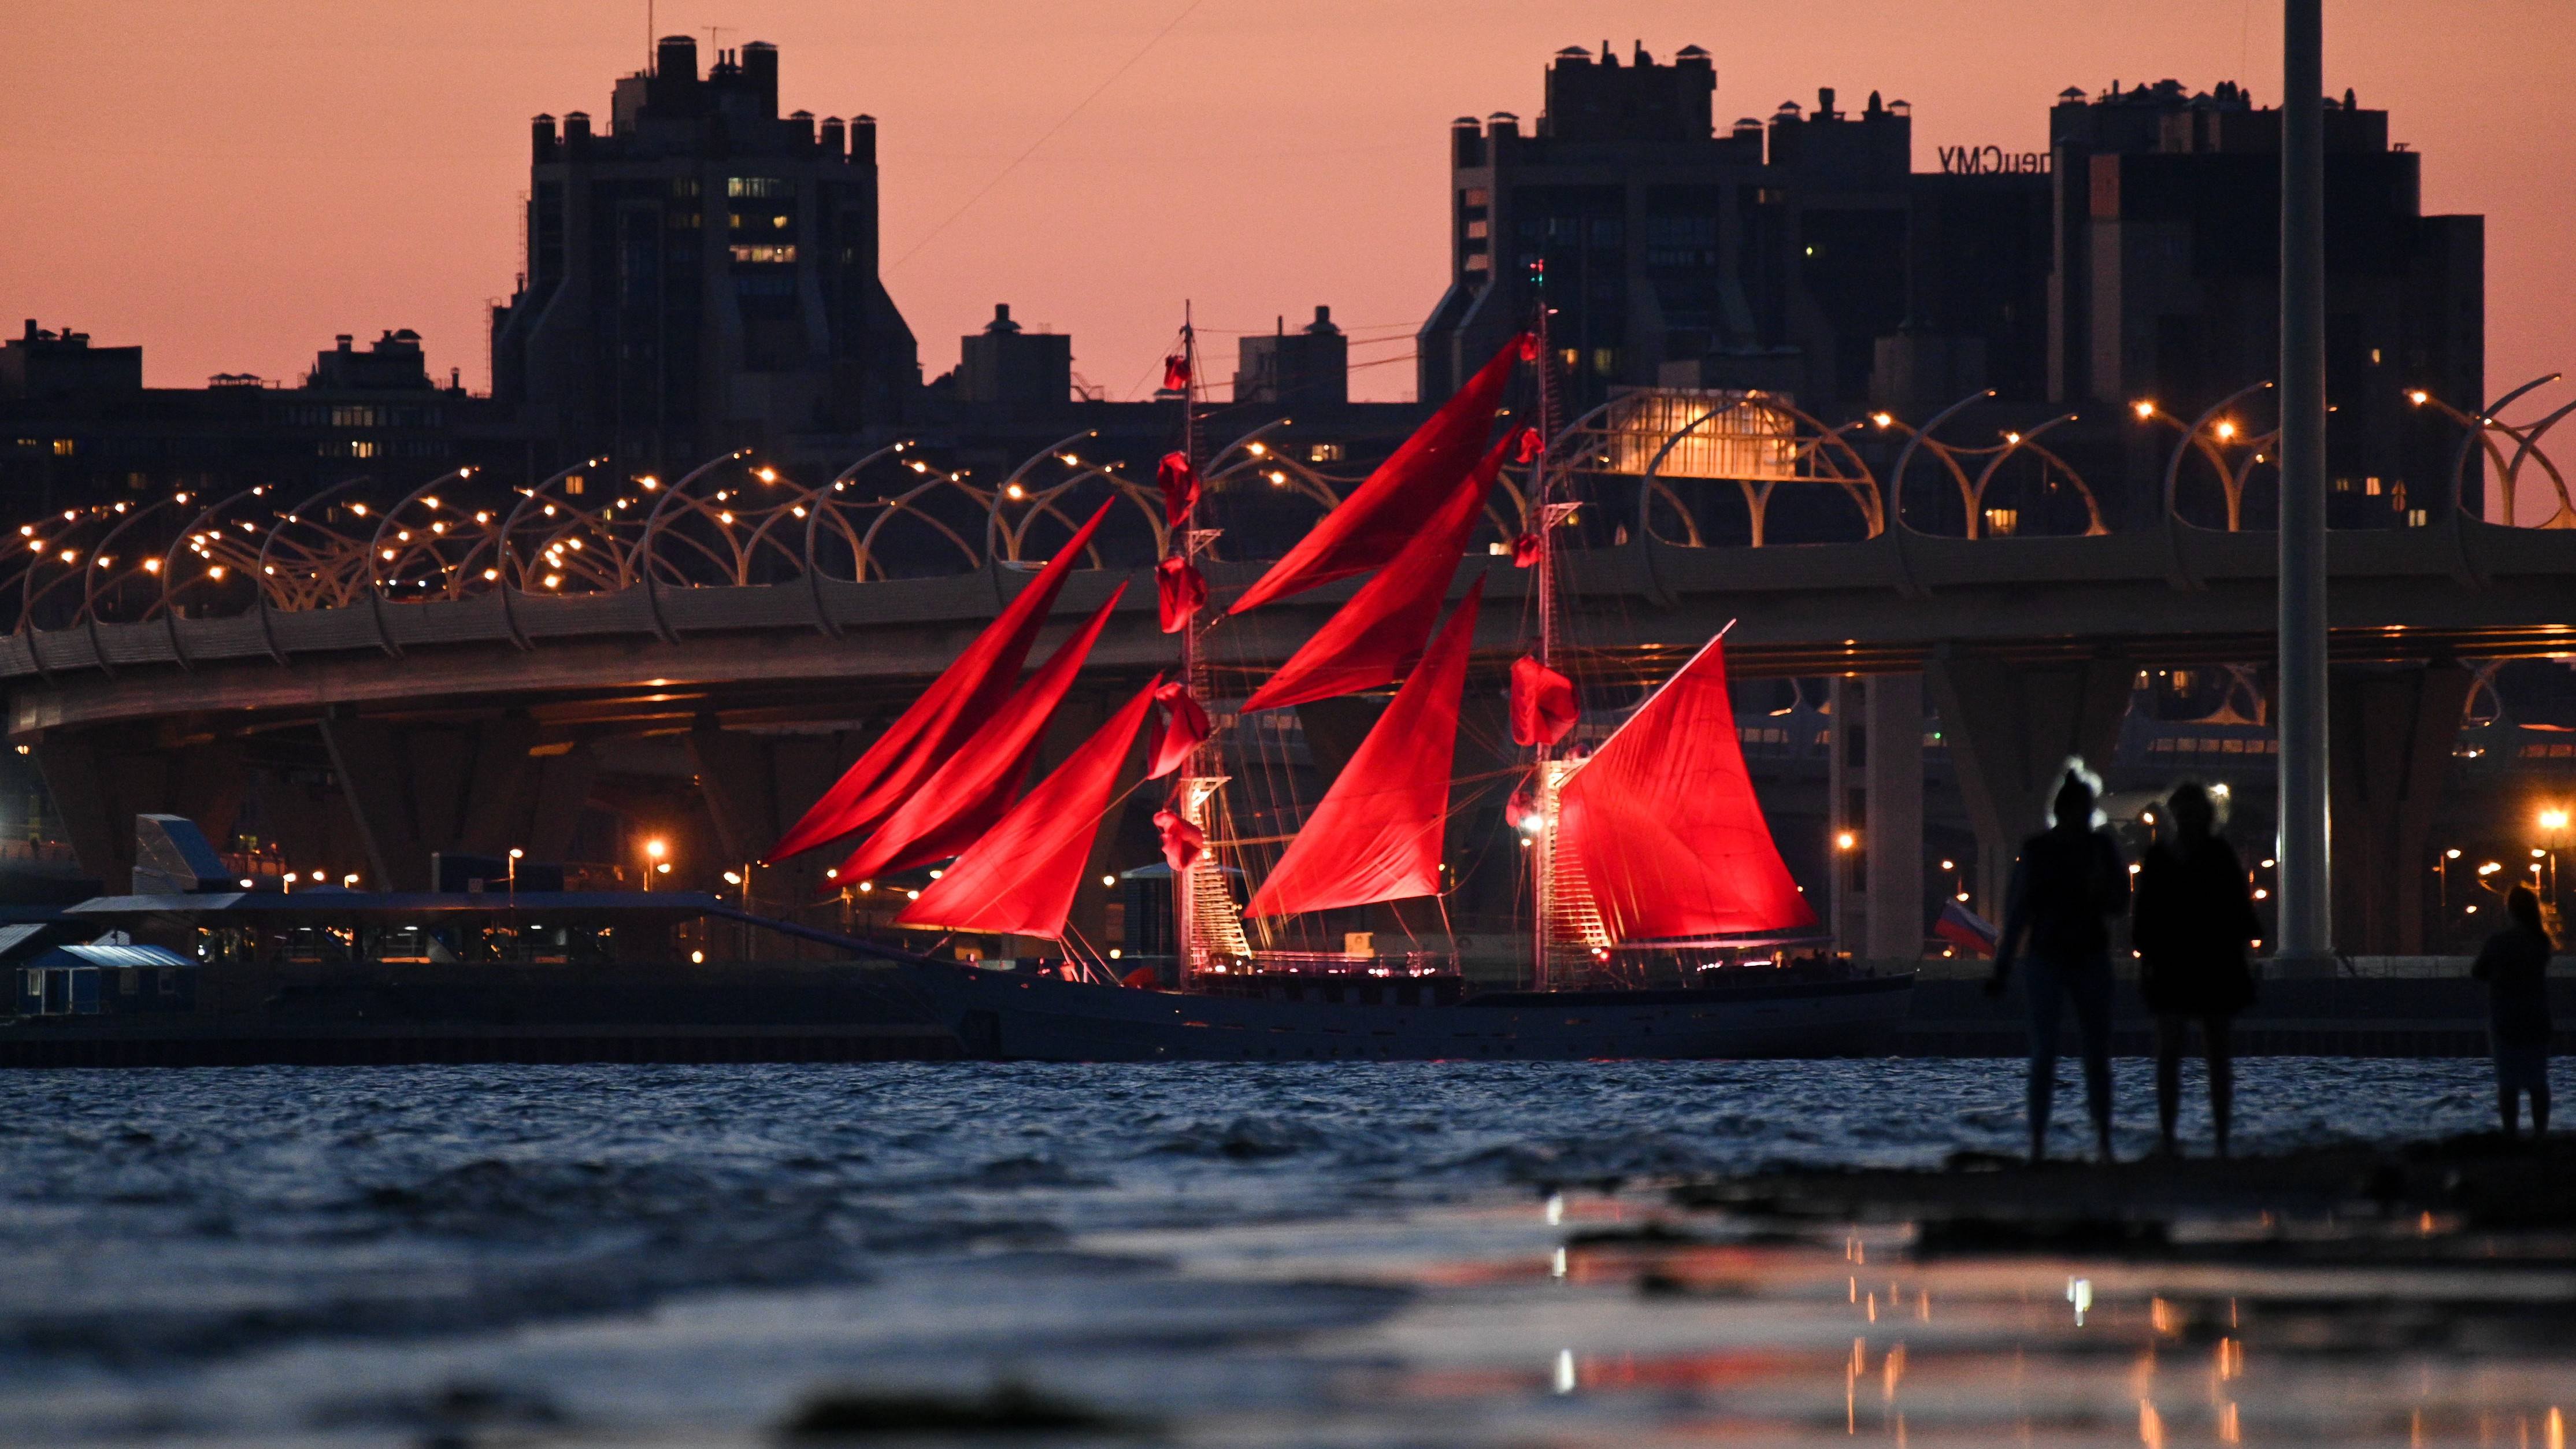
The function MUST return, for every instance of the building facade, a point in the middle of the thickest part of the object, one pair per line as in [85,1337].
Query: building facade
[1772,255]
[2165,286]
[77,425]
[702,273]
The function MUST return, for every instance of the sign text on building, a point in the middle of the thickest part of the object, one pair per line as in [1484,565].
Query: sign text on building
[1991,161]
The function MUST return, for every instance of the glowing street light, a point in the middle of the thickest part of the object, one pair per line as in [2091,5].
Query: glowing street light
[1846,840]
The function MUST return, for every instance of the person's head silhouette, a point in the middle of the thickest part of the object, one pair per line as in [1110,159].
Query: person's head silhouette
[2193,813]
[2073,808]
[2524,907]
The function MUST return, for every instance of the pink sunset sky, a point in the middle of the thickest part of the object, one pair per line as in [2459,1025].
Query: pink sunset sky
[230,185]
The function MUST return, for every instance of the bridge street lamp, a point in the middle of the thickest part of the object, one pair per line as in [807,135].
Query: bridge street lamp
[2526,444]
[2210,434]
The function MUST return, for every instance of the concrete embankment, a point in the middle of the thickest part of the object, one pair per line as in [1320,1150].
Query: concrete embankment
[2420,1016]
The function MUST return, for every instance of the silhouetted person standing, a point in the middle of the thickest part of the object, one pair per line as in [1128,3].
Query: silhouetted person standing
[2193,923]
[2066,886]
[2515,967]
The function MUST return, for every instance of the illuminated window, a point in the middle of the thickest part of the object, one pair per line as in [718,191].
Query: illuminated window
[2001,522]
[63,447]
[1324,453]
[786,253]
[1605,360]
[756,186]
[1479,262]
[572,485]
[684,187]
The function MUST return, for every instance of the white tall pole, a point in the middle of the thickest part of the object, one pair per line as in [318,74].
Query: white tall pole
[2306,913]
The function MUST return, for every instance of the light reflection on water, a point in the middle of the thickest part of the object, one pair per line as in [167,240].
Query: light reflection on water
[1398,1254]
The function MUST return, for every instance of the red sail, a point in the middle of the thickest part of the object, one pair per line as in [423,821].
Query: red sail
[1180,481]
[1663,824]
[1375,836]
[1375,638]
[951,709]
[1543,709]
[1021,876]
[1375,523]
[963,799]
[1179,593]
[1186,726]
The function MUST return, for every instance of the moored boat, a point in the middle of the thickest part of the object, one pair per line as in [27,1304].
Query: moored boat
[1644,845]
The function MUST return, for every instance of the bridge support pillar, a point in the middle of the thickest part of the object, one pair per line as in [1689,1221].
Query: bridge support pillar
[755,786]
[2390,736]
[415,790]
[1892,833]
[2010,728]
[101,780]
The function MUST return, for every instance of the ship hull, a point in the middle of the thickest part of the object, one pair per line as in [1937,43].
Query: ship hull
[1023,1017]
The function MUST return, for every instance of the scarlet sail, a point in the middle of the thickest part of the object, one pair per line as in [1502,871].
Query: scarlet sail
[1021,876]
[1664,827]
[1375,836]
[1375,523]
[1375,637]
[922,739]
[973,790]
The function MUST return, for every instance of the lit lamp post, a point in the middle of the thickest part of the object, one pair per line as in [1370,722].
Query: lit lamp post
[2487,873]
[513,874]
[654,865]
[2553,833]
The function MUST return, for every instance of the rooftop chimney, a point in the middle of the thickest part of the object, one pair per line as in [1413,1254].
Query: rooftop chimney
[759,62]
[676,59]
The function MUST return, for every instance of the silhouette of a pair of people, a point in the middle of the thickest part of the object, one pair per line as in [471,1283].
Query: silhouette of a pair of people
[2193,924]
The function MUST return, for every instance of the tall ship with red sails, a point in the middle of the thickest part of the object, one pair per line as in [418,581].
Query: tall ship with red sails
[1658,907]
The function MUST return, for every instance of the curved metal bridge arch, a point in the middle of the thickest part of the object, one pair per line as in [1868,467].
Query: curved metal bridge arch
[736,547]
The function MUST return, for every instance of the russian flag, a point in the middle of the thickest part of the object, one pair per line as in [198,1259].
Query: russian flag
[1965,929]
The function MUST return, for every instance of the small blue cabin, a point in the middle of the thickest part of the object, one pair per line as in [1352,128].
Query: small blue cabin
[102,979]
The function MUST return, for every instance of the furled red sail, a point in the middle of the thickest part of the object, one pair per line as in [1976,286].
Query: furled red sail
[1375,523]
[923,738]
[1543,709]
[962,799]
[1375,836]
[1022,875]
[1374,638]
[1185,727]
[1183,843]
[1179,593]
[1179,478]
[1664,826]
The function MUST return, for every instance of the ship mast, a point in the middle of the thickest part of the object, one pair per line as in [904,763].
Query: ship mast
[1205,922]
[1544,781]
[1566,932]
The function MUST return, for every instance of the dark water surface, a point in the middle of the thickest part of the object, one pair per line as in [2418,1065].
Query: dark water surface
[1345,1253]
